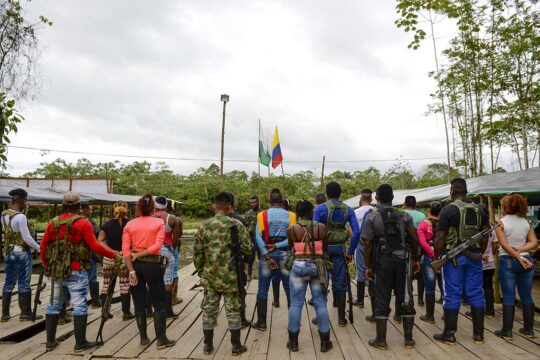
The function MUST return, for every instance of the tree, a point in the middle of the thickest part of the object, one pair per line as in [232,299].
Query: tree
[18,50]
[9,118]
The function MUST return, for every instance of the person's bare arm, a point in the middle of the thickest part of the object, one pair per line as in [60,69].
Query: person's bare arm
[101,237]
[176,230]
[440,242]
[531,244]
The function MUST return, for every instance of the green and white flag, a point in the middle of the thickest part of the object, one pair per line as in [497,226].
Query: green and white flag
[264,156]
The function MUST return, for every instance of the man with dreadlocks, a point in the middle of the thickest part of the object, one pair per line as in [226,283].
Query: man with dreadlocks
[17,256]
[66,250]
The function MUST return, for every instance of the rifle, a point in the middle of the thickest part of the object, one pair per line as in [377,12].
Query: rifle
[106,309]
[460,248]
[40,287]
[408,299]
[349,293]
[237,261]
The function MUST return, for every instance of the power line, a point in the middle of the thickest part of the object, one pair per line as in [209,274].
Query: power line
[44,151]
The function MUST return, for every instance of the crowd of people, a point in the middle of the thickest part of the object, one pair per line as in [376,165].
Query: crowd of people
[310,246]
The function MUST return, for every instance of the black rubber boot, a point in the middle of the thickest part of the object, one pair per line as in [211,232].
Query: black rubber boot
[208,341]
[51,322]
[237,347]
[103,298]
[528,321]
[490,303]
[360,292]
[140,318]
[334,300]
[326,344]
[81,344]
[176,300]
[478,324]
[450,328]
[292,344]
[6,303]
[421,289]
[408,325]
[94,295]
[25,303]
[430,309]
[380,340]
[160,325]
[168,306]
[508,322]
[243,321]
[261,315]
[126,302]
[275,291]
[341,303]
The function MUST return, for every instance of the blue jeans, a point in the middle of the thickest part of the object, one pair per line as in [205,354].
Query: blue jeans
[176,262]
[77,286]
[512,274]
[168,252]
[18,268]
[465,280]
[299,271]
[339,271]
[265,274]
[429,276]
[360,264]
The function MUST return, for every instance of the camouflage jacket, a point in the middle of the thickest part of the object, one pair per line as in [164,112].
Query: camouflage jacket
[212,253]
[251,219]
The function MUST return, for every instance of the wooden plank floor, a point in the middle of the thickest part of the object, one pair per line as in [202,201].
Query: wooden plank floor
[350,342]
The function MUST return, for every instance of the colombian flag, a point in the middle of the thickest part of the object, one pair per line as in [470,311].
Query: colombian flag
[277,157]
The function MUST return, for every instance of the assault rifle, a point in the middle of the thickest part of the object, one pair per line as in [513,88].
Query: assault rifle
[458,249]
[106,309]
[40,287]
[237,262]
[408,300]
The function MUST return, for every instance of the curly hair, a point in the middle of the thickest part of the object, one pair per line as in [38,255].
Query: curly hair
[514,204]
[145,205]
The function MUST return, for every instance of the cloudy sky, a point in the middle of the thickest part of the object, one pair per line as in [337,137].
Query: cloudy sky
[145,78]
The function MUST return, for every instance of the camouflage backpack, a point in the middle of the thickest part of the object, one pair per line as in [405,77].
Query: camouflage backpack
[61,252]
[336,230]
[470,222]
[11,238]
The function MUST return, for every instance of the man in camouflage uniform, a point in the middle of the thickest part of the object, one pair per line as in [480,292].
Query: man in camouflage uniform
[251,220]
[212,255]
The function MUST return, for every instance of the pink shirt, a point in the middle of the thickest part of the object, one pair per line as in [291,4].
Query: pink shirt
[425,237]
[144,232]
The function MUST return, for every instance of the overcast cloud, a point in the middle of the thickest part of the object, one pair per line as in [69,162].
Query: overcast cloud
[145,78]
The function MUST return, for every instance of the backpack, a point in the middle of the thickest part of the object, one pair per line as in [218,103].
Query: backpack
[394,231]
[11,237]
[336,230]
[470,222]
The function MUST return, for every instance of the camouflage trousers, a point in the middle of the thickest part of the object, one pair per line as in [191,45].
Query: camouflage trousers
[210,308]
[108,271]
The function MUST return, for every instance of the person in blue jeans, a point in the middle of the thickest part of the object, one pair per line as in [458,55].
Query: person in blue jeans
[18,243]
[516,266]
[273,245]
[335,215]
[308,241]
[361,213]
[93,283]
[463,275]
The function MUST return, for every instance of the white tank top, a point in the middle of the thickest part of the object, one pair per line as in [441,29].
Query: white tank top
[516,230]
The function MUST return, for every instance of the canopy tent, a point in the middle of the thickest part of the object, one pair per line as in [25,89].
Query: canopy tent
[526,182]
[51,191]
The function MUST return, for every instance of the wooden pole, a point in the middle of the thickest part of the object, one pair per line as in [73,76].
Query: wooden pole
[222,143]
[322,172]
[496,285]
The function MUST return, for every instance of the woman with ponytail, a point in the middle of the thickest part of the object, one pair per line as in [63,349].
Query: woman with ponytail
[111,235]
[141,245]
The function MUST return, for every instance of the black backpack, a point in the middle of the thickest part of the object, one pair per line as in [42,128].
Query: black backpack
[394,237]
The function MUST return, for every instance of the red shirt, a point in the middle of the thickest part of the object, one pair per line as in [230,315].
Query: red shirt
[81,230]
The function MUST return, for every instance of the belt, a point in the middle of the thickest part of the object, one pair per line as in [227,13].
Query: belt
[276,239]
[151,259]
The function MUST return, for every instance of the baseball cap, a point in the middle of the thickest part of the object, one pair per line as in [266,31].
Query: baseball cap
[71,198]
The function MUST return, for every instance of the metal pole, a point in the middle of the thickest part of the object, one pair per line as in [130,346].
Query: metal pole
[222,143]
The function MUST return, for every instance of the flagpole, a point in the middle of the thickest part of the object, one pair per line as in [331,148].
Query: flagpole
[259,147]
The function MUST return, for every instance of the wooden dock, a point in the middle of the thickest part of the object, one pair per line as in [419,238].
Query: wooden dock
[350,342]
